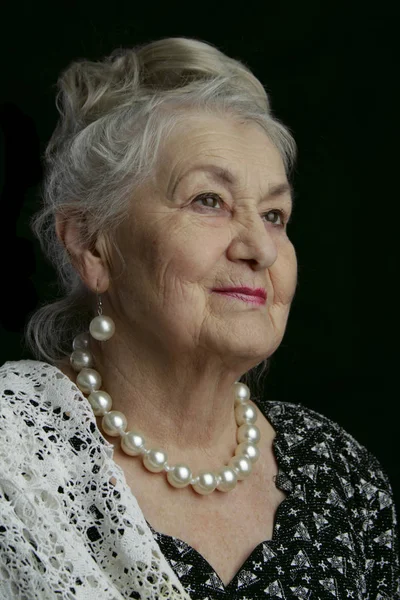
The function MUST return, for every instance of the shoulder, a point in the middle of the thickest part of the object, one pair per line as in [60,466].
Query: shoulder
[26,377]
[321,450]
[31,387]
[319,435]
[20,375]
[20,382]
[41,408]
[29,399]
[48,431]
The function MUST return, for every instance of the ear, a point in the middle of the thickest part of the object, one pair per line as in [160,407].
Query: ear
[90,263]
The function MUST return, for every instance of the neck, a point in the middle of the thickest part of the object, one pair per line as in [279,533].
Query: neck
[188,410]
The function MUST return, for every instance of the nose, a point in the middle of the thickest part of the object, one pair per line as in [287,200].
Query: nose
[253,243]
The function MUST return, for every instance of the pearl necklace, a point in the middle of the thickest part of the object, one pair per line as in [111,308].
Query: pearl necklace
[114,423]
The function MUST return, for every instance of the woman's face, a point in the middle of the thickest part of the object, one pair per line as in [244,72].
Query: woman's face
[195,228]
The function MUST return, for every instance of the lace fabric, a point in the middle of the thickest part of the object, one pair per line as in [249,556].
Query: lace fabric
[66,530]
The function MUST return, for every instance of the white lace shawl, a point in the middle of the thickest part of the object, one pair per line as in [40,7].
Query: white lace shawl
[65,530]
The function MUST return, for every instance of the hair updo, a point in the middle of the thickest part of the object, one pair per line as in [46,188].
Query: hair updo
[113,115]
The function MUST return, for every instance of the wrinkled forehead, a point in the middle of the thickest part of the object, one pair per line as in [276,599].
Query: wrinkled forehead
[242,149]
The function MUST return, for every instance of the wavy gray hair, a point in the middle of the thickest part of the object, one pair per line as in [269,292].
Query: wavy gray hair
[113,116]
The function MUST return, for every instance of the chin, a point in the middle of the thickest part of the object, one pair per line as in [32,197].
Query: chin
[250,353]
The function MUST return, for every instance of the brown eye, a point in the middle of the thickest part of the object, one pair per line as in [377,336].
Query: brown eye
[208,200]
[280,214]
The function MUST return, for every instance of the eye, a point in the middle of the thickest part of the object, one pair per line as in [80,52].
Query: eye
[211,200]
[281,214]
[208,200]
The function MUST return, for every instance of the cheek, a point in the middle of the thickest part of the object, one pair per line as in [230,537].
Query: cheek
[192,253]
[169,260]
[283,274]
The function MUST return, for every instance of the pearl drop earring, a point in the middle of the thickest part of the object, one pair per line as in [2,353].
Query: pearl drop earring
[101,328]
[133,443]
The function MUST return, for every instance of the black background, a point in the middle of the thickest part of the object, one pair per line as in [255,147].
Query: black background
[332,75]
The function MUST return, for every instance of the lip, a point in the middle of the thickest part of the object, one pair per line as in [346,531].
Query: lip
[253,295]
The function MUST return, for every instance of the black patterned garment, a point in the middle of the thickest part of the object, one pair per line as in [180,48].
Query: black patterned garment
[335,534]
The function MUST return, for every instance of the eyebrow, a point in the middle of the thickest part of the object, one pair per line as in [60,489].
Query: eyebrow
[221,174]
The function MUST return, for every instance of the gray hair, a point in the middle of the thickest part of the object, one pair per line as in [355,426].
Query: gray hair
[114,114]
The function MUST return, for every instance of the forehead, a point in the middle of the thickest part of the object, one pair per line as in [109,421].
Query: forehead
[223,141]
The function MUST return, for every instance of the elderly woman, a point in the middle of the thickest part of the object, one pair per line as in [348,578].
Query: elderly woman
[135,460]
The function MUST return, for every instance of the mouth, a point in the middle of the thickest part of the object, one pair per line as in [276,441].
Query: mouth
[253,296]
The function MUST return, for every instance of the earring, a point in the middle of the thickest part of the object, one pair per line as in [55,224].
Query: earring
[101,328]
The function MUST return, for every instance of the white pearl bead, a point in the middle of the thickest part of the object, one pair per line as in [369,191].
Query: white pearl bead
[179,476]
[227,479]
[88,380]
[102,328]
[206,483]
[114,423]
[80,359]
[100,402]
[245,413]
[248,449]
[241,465]
[132,443]
[248,433]
[155,460]
[242,392]
[81,341]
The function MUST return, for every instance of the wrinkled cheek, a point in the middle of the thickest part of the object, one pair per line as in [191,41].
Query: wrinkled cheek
[293,274]
[283,276]
[166,276]
[187,265]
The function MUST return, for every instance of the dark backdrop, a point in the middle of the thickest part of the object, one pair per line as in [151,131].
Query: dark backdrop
[332,74]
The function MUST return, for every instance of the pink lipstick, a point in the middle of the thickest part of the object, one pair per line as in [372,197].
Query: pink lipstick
[246,294]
